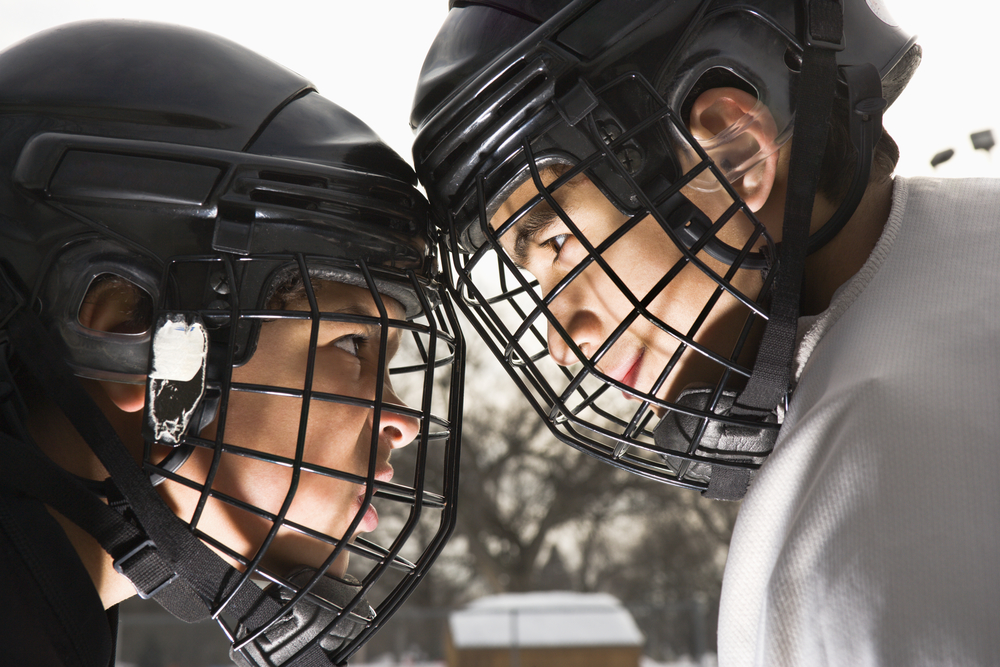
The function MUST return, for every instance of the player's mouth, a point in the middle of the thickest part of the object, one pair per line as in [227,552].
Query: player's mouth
[628,373]
[369,522]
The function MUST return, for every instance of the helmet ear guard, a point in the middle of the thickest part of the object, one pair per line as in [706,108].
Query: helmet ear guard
[95,354]
[742,149]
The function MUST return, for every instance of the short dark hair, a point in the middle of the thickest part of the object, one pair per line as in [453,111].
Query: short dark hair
[291,291]
[840,156]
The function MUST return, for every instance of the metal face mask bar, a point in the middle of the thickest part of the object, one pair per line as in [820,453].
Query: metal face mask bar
[587,407]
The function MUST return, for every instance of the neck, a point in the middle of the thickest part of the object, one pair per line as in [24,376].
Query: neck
[111,586]
[835,263]
[60,441]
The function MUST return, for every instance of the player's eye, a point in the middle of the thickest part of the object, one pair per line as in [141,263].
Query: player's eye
[350,343]
[556,242]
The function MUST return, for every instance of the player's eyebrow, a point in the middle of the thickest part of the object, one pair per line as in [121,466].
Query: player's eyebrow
[362,312]
[528,228]
[367,310]
[371,329]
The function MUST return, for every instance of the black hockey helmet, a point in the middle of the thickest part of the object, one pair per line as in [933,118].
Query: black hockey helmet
[212,178]
[514,90]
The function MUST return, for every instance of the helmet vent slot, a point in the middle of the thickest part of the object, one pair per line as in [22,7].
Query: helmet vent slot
[304,192]
[284,199]
[498,83]
[523,93]
[294,179]
[485,94]
[314,194]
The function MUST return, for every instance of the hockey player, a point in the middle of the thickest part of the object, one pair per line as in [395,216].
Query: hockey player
[677,225]
[209,274]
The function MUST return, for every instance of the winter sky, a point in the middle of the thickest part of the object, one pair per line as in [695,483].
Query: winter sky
[366,56]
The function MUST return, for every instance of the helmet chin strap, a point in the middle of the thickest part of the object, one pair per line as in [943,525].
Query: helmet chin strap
[769,384]
[157,550]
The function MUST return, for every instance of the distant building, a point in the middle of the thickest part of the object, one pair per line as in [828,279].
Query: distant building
[552,629]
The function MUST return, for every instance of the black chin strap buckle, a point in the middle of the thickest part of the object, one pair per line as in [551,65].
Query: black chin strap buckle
[333,610]
[732,483]
[134,563]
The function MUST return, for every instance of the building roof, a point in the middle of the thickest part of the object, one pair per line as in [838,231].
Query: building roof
[544,620]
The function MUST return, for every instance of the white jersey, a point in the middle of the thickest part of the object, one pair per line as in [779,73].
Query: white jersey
[871,535]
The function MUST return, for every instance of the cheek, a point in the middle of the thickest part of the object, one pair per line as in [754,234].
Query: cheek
[336,434]
[337,437]
[269,422]
[321,504]
[648,254]
[335,429]
[270,425]
[642,257]
[337,372]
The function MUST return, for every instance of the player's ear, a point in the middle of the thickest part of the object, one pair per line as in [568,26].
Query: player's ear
[735,130]
[115,305]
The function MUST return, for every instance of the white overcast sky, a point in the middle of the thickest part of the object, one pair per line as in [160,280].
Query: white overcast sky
[366,54]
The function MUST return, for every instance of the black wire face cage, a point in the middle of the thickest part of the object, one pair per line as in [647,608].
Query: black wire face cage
[416,508]
[607,412]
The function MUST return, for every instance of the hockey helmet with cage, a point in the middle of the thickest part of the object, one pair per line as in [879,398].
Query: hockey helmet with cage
[209,178]
[544,91]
